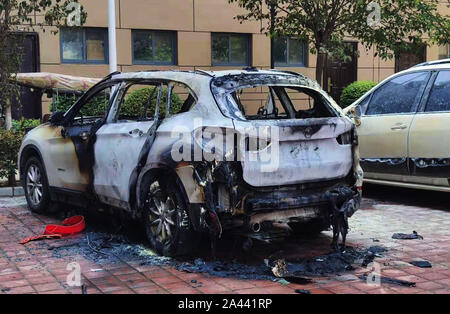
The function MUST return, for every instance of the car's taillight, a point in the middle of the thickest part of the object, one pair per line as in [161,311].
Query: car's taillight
[345,139]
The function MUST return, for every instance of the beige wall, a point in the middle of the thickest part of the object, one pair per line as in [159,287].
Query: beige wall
[193,20]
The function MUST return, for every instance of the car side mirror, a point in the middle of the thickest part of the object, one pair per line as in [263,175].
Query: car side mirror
[56,117]
[355,113]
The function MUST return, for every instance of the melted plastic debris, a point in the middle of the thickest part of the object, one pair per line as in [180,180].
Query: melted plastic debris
[107,248]
[421,264]
[403,236]
[333,263]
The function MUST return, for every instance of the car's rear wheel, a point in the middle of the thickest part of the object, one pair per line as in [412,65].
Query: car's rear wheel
[309,228]
[36,186]
[166,219]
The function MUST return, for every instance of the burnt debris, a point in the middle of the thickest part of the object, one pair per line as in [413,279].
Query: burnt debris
[343,202]
[421,264]
[403,236]
[393,281]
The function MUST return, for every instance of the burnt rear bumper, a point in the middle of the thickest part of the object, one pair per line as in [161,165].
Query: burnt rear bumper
[281,200]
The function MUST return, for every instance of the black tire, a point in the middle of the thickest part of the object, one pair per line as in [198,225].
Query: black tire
[183,239]
[39,205]
[309,228]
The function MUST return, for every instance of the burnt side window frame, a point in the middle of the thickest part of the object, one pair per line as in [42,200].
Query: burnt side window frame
[230,62]
[84,59]
[174,40]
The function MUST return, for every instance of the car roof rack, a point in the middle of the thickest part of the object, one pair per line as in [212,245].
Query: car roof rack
[443,61]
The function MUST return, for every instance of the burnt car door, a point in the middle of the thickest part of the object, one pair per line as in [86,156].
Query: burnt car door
[72,150]
[124,141]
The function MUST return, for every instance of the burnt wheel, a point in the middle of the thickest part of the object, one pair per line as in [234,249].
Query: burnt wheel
[309,228]
[36,186]
[167,222]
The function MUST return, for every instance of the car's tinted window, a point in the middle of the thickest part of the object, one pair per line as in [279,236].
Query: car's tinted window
[439,99]
[399,95]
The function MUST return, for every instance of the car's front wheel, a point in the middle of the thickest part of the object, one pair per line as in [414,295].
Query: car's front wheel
[166,219]
[36,186]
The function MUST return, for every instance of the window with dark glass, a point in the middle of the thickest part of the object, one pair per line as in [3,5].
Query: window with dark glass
[444,52]
[399,95]
[290,52]
[230,49]
[154,47]
[84,45]
[439,99]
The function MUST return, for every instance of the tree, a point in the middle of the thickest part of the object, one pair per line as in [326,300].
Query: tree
[389,26]
[16,18]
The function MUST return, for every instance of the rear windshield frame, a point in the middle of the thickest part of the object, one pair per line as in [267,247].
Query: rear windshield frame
[223,87]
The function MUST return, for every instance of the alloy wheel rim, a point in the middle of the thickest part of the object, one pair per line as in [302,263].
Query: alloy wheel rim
[34,185]
[162,217]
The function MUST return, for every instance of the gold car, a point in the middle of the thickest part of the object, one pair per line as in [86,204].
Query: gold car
[404,128]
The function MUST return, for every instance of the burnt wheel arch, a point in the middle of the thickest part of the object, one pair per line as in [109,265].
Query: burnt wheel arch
[187,234]
[28,152]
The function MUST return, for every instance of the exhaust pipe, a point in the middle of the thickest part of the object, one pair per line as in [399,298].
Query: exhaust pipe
[256,227]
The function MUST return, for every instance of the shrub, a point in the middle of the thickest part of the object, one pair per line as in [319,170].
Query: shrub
[24,125]
[134,104]
[354,91]
[136,101]
[10,142]
[96,107]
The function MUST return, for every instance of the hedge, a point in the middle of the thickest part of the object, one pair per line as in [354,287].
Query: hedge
[354,91]
[96,107]
[10,142]
[133,105]
[136,101]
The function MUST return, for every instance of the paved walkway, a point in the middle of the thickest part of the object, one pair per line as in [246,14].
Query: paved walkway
[35,268]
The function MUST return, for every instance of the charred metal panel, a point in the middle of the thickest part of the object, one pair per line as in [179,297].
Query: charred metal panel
[116,156]
[385,165]
[430,167]
[59,156]
[308,151]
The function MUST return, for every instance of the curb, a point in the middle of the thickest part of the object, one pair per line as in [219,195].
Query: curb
[12,191]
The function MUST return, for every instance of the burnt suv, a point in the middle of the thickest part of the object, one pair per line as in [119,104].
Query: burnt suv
[187,152]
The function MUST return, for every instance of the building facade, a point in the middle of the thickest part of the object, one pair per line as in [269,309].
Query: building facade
[196,34]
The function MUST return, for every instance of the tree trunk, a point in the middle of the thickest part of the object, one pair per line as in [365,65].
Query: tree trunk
[8,115]
[272,33]
[8,125]
[320,66]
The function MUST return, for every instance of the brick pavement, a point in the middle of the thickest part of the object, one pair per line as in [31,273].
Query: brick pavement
[34,269]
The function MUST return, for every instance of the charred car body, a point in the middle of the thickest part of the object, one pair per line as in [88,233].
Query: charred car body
[246,150]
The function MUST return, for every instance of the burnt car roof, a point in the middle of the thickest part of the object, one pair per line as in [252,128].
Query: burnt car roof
[221,76]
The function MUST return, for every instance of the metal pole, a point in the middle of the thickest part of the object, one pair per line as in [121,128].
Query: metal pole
[272,31]
[112,36]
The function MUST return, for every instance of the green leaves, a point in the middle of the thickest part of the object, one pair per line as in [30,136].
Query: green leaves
[10,142]
[136,101]
[20,14]
[326,23]
[354,91]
